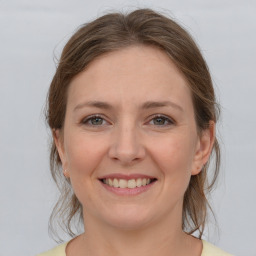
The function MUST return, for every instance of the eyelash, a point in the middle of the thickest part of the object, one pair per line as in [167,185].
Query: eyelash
[165,118]
[157,116]
[89,118]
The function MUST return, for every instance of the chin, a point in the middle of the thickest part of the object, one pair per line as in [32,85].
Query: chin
[128,218]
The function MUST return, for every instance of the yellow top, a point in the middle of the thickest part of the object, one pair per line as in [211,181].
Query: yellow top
[208,250]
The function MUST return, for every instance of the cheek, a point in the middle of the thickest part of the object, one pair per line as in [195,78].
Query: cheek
[84,153]
[174,155]
[174,158]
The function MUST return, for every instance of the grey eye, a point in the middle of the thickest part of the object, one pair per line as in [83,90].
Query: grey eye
[161,120]
[94,121]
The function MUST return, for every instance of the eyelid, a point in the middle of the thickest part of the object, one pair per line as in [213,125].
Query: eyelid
[170,120]
[86,119]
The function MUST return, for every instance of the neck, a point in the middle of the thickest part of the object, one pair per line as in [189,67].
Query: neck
[131,242]
[162,238]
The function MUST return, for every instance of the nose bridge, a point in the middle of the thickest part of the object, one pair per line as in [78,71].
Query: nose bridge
[127,145]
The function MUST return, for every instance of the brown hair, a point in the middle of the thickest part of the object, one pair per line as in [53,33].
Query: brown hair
[110,33]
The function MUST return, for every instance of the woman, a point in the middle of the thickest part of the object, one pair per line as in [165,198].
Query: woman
[133,114]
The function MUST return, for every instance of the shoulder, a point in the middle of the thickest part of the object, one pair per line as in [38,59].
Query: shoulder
[211,250]
[57,251]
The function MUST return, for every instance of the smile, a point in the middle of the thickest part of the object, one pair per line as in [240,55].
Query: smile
[131,183]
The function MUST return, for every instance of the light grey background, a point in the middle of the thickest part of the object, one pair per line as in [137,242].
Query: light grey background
[30,33]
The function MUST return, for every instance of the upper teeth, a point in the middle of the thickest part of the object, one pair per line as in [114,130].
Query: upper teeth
[132,183]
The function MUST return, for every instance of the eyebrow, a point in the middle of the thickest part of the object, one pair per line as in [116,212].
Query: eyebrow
[158,104]
[145,105]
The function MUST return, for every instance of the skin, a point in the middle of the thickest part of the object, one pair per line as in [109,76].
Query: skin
[127,139]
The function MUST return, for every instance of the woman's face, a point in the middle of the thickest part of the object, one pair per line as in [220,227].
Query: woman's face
[130,142]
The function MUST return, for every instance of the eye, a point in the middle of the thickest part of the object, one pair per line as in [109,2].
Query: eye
[94,120]
[160,120]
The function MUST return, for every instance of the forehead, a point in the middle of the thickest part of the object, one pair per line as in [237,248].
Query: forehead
[130,74]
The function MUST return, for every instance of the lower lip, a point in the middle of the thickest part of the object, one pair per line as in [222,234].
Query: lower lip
[128,191]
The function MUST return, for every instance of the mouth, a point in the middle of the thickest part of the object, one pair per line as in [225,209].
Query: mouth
[127,183]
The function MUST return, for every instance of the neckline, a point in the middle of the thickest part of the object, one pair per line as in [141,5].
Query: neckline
[63,247]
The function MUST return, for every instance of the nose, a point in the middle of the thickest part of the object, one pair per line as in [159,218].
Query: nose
[127,146]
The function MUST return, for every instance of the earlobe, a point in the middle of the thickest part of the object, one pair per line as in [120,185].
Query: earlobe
[204,148]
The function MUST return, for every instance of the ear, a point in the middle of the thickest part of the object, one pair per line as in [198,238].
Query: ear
[204,148]
[59,143]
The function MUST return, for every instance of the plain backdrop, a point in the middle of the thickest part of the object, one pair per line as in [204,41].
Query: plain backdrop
[33,32]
